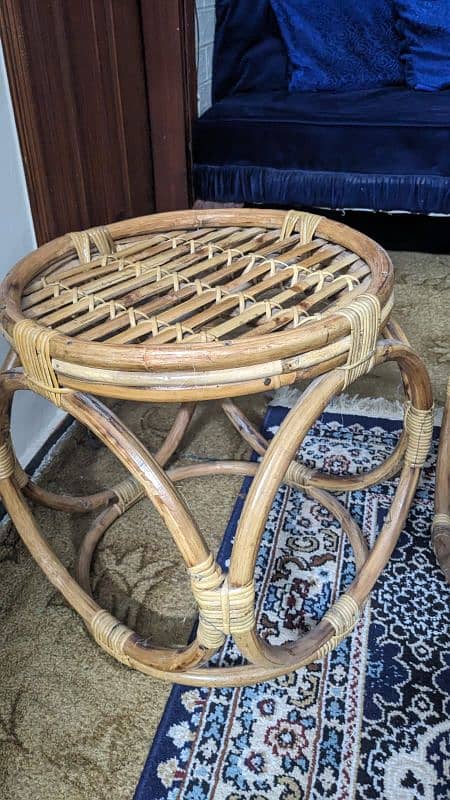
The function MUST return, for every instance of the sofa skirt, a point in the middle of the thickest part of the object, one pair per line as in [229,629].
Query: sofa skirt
[265,185]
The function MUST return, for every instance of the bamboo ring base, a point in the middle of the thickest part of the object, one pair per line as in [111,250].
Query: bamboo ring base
[186,666]
[119,350]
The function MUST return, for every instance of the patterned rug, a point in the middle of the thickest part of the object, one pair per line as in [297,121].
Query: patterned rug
[369,721]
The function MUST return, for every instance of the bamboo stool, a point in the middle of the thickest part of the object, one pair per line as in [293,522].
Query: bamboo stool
[208,305]
[441,522]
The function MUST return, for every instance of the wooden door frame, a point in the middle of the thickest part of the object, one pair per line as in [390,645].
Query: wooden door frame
[168,32]
[169,40]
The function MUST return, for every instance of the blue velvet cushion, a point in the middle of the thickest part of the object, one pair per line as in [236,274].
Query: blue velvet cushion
[249,53]
[340,45]
[384,149]
[425,28]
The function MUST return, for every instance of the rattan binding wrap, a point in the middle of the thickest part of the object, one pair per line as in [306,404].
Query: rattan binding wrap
[7,460]
[441,520]
[364,316]
[298,474]
[128,492]
[32,343]
[100,237]
[10,466]
[343,616]
[20,476]
[223,609]
[111,635]
[302,221]
[419,427]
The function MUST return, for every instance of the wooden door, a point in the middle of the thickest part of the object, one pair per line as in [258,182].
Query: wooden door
[102,94]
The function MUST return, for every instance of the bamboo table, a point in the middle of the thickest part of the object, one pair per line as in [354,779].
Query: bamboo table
[208,305]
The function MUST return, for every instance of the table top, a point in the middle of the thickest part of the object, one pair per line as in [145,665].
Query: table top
[206,290]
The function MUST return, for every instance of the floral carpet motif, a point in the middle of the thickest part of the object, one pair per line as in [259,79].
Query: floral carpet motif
[372,720]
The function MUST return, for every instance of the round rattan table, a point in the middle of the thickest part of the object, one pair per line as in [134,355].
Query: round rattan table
[208,305]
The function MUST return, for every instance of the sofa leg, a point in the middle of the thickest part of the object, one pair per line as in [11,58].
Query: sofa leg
[211,204]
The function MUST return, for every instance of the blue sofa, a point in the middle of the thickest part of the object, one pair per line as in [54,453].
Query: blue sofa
[382,149]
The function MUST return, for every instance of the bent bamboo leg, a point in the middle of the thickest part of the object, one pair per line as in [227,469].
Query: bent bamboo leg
[261,494]
[59,502]
[172,509]
[88,503]
[66,502]
[243,468]
[390,467]
[164,664]
[440,536]
[314,644]
[320,480]
[10,361]
[268,661]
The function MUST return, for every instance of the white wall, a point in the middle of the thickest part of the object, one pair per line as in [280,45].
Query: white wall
[33,417]
[206,16]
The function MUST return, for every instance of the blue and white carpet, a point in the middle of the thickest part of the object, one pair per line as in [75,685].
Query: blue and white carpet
[372,720]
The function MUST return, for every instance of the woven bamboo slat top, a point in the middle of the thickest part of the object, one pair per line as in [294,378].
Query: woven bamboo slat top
[195,289]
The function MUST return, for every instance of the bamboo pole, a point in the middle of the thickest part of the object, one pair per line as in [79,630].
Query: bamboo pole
[441,523]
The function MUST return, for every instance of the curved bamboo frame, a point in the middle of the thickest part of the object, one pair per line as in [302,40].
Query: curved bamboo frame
[184,664]
[333,349]
[88,503]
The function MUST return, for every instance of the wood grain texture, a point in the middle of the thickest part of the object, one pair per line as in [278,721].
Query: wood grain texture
[168,34]
[78,86]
